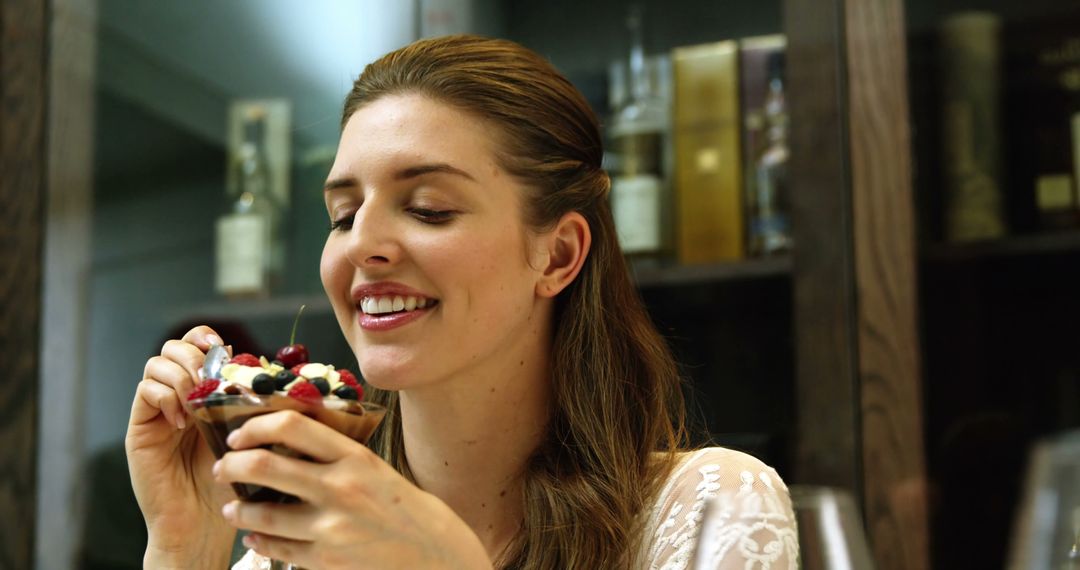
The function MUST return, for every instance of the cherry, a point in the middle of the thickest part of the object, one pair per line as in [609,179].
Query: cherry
[294,354]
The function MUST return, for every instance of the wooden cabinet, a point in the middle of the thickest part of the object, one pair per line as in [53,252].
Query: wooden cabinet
[856,361]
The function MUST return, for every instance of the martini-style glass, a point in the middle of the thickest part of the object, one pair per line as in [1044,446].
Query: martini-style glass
[217,415]
[1047,533]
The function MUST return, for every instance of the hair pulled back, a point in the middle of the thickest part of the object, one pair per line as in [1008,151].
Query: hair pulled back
[618,413]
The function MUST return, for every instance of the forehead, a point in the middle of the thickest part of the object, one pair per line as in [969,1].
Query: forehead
[404,128]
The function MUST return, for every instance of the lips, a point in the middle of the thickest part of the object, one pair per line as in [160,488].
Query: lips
[388,305]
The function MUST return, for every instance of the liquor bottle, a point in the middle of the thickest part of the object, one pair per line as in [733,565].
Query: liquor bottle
[639,132]
[770,230]
[970,74]
[249,250]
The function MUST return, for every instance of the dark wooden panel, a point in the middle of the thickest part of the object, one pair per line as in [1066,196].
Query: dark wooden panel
[22,97]
[894,474]
[827,438]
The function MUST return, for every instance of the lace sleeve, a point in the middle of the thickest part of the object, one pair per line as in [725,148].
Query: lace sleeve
[252,561]
[754,526]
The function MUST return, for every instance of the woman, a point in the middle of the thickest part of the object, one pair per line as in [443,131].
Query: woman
[536,418]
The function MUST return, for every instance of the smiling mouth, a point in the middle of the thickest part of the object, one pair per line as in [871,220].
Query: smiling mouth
[380,305]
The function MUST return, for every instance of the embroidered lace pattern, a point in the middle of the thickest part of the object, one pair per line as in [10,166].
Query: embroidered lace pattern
[752,524]
[252,561]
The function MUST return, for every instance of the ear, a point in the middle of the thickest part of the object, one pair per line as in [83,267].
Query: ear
[565,247]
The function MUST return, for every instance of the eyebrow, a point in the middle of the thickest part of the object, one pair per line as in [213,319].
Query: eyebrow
[404,174]
[437,168]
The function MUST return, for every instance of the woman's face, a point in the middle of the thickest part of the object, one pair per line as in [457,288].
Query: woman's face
[428,266]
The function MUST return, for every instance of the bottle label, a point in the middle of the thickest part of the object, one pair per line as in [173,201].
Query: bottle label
[241,254]
[636,209]
[641,153]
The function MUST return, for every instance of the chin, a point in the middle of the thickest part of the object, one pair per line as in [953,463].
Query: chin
[389,373]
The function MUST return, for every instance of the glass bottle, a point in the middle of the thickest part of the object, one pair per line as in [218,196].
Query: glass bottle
[249,250]
[639,133]
[770,229]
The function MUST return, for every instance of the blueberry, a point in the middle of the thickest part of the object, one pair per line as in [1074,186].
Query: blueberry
[263,384]
[346,392]
[282,379]
[322,385]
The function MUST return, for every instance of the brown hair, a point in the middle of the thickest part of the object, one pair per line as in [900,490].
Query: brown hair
[617,397]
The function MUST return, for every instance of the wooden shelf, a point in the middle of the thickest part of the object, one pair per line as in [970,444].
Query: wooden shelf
[661,275]
[286,306]
[647,275]
[1012,246]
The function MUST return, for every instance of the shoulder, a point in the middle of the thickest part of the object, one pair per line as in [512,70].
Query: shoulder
[718,471]
[750,493]
[727,464]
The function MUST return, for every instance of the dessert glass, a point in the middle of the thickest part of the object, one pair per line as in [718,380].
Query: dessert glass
[217,415]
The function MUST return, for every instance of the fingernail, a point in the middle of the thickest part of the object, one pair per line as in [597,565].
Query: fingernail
[180,423]
[213,339]
[231,440]
[217,467]
[249,540]
[229,510]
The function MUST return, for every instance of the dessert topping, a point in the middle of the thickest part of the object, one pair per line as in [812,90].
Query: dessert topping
[245,359]
[205,388]
[305,392]
[263,384]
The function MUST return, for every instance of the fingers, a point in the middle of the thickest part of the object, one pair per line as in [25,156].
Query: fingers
[153,398]
[188,356]
[297,432]
[295,521]
[266,468]
[202,337]
[292,551]
[171,373]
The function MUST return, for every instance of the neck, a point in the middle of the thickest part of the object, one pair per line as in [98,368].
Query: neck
[467,439]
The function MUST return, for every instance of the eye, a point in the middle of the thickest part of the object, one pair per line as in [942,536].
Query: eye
[342,224]
[432,216]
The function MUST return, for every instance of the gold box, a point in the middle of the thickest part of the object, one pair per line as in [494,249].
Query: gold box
[707,130]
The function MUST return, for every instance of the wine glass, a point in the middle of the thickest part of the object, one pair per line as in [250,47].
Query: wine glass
[1047,533]
[830,531]
[831,535]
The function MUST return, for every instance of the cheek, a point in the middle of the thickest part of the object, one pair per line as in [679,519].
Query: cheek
[332,269]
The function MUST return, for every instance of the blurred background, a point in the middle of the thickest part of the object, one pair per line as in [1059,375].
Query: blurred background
[856,221]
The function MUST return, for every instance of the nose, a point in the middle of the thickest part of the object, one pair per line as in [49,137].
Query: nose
[372,239]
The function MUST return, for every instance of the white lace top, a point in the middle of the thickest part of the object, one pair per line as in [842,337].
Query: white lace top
[752,526]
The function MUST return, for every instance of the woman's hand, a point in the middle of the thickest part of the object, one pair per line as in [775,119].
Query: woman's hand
[357,511]
[170,464]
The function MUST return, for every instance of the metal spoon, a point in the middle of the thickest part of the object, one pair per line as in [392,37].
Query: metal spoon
[215,359]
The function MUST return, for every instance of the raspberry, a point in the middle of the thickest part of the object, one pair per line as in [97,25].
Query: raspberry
[347,378]
[204,389]
[296,369]
[306,392]
[246,359]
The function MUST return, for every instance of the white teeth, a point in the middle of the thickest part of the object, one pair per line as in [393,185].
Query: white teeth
[388,304]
